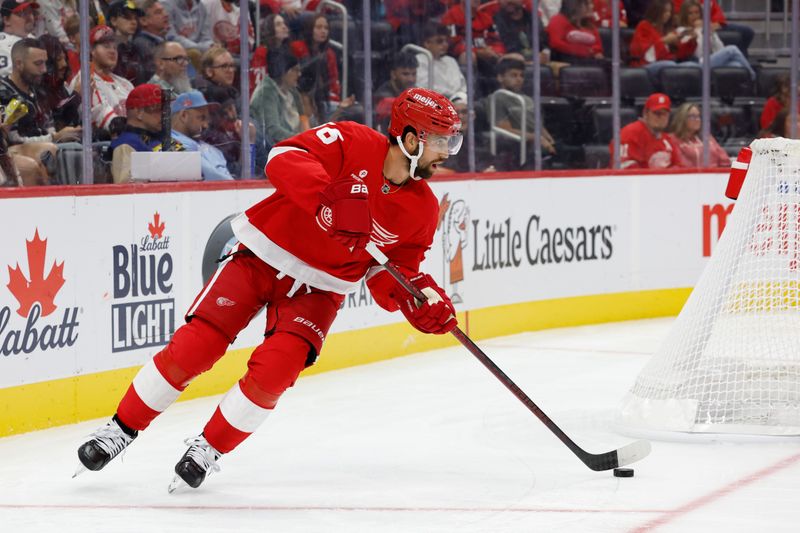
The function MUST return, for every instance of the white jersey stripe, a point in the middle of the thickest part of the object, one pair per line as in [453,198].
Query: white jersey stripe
[155,391]
[241,412]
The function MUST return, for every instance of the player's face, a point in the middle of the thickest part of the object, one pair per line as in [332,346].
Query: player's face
[434,154]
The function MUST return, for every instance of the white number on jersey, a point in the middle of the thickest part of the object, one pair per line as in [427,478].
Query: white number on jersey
[329,135]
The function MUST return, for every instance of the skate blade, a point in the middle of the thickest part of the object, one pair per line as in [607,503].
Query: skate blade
[177,483]
[80,470]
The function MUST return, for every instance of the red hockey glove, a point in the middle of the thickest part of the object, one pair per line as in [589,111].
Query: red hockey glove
[435,315]
[344,212]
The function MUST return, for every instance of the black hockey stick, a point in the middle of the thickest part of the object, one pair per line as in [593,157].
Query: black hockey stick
[166,120]
[628,454]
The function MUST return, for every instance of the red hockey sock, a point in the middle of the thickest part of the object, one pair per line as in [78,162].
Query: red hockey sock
[194,348]
[273,367]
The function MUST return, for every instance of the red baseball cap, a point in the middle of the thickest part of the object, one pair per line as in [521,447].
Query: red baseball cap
[145,95]
[100,34]
[15,6]
[657,102]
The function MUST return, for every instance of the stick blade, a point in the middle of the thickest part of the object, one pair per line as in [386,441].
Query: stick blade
[633,452]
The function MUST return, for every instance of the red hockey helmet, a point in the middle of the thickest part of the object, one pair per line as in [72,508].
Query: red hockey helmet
[429,113]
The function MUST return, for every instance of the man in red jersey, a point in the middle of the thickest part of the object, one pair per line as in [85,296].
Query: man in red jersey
[337,187]
[645,143]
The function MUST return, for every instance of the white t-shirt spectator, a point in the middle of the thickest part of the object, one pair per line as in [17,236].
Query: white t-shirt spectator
[108,98]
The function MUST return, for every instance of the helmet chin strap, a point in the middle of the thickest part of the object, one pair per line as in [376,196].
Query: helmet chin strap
[413,158]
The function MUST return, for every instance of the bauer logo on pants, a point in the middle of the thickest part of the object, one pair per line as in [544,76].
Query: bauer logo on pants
[34,286]
[143,314]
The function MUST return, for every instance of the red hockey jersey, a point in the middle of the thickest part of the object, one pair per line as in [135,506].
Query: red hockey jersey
[283,230]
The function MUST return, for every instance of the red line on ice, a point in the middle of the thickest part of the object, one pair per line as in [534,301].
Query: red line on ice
[713,496]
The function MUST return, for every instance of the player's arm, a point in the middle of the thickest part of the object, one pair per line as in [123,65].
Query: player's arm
[306,169]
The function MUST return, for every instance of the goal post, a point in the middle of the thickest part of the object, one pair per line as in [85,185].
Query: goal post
[731,362]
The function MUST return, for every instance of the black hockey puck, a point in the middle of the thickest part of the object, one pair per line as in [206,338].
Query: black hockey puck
[623,472]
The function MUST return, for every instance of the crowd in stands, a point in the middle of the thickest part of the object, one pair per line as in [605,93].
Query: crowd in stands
[141,50]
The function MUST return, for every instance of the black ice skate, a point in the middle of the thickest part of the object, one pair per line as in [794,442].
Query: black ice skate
[103,445]
[196,464]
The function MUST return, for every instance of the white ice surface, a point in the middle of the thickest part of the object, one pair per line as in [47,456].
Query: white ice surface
[426,443]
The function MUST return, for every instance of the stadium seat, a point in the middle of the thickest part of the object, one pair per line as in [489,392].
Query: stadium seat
[765,85]
[382,36]
[559,118]
[547,81]
[729,123]
[730,37]
[597,156]
[584,82]
[728,83]
[635,85]
[603,117]
[680,83]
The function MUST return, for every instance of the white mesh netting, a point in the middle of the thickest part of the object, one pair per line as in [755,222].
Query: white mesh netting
[731,362]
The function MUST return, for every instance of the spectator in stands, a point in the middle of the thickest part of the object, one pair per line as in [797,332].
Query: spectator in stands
[685,128]
[153,28]
[123,17]
[320,66]
[188,20]
[224,132]
[645,143]
[33,135]
[781,126]
[72,26]
[19,19]
[275,32]
[402,76]
[54,13]
[486,44]
[447,76]
[53,94]
[142,130]
[460,161]
[601,13]
[656,44]
[109,91]
[573,36]
[276,106]
[777,102]
[691,27]
[508,115]
[223,19]
[190,113]
[405,17]
[171,63]
[513,23]
[719,21]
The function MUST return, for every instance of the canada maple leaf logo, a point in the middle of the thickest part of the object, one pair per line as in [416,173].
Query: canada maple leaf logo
[39,288]
[156,227]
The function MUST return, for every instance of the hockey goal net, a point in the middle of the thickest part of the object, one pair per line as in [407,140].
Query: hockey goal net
[731,362]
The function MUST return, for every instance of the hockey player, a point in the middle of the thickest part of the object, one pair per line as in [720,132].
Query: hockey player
[338,186]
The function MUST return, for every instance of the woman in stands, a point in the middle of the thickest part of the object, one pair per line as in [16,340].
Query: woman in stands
[685,129]
[781,126]
[656,45]
[777,102]
[319,84]
[691,27]
[573,36]
[53,94]
[277,107]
